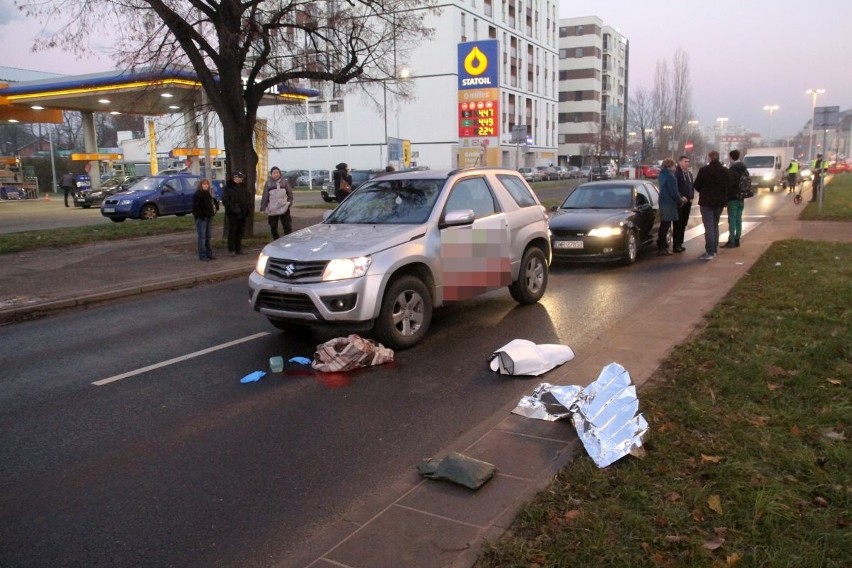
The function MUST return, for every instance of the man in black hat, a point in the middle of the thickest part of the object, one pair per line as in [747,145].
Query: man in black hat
[239,204]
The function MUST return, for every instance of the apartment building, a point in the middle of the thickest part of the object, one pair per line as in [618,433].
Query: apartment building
[593,79]
[363,126]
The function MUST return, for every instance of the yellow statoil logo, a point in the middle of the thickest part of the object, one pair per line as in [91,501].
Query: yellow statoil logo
[475,63]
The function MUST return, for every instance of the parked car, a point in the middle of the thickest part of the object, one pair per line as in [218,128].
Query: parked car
[154,196]
[839,168]
[584,172]
[573,172]
[598,173]
[649,171]
[606,221]
[531,174]
[402,244]
[549,173]
[313,178]
[85,198]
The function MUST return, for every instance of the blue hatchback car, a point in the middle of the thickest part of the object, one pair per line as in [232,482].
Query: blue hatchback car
[155,196]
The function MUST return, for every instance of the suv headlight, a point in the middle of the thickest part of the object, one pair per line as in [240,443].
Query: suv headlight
[606,232]
[767,177]
[260,267]
[343,268]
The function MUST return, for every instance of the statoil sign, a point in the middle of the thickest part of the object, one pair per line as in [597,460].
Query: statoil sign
[479,64]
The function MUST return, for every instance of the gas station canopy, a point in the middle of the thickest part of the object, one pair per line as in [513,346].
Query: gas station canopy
[144,92]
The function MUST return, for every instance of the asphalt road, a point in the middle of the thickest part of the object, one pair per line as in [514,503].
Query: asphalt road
[181,465]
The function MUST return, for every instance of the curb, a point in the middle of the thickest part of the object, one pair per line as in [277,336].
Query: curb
[22,312]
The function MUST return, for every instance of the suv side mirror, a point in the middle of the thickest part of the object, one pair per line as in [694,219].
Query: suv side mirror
[459,217]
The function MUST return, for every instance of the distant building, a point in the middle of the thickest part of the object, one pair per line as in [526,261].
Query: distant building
[593,79]
[346,125]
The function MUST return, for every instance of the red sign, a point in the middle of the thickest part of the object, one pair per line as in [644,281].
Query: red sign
[688,146]
[478,119]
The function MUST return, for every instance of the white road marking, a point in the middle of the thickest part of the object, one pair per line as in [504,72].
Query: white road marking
[179,359]
[698,230]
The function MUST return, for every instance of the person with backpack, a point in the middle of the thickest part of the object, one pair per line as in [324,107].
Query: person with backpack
[738,191]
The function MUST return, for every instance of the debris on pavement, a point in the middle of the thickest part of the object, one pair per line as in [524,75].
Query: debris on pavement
[300,360]
[351,352]
[276,364]
[253,377]
[458,468]
[605,413]
[523,357]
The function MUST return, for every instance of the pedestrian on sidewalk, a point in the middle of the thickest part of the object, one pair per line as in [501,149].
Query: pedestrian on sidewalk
[669,201]
[687,193]
[239,204]
[818,168]
[276,201]
[68,185]
[203,209]
[736,198]
[712,184]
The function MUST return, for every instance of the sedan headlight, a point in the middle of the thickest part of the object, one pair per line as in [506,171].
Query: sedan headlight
[606,232]
[126,202]
[260,267]
[343,268]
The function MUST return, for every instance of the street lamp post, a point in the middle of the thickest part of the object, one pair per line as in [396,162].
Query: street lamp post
[815,93]
[770,109]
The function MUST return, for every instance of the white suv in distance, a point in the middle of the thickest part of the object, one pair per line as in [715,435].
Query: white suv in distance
[403,244]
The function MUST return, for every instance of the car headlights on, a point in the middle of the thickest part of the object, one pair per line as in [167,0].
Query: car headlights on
[767,177]
[260,267]
[606,232]
[342,268]
[126,202]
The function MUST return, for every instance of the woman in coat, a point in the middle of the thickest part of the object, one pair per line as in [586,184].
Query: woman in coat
[669,203]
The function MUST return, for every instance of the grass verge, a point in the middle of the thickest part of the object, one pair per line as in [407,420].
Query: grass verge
[837,201]
[748,461]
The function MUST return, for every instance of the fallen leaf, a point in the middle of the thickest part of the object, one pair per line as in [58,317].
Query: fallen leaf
[720,531]
[662,522]
[638,452]
[833,435]
[775,371]
[834,382]
[820,501]
[675,538]
[659,558]
[733,559]
[715,504]
[714,543]
[794,430]
[697,515]
[672,496]
[760,420]
[710,459]
[773,386]
[645,546]
[572,516]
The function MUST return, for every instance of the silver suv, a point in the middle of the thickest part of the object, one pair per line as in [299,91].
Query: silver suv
[403,244]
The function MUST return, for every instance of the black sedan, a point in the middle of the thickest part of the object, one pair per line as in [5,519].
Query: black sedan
[606,221]
[88,197]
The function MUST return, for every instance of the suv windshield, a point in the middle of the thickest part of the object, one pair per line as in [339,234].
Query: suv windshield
[389,202]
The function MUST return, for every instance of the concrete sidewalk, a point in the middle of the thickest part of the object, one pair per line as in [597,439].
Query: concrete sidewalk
[418,523]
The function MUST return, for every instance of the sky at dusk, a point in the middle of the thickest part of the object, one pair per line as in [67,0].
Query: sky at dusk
[743,55]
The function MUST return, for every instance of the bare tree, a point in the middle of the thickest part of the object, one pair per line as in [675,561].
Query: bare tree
[640,117]
[243,49]
[661,101]
[681,85]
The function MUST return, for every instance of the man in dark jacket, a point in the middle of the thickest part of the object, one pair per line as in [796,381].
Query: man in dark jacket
[68,184]
[736,201]
[239,204]
[687,193]
[712,184]
[341,174]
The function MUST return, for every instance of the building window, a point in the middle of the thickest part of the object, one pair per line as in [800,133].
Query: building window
[320,130]
[578,95]
[578,52]
[488,8]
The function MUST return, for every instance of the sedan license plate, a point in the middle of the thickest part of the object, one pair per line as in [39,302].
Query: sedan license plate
[81,200]
[109,209]
[569,244]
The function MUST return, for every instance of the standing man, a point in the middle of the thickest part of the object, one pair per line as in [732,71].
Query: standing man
[68,185]
[203,210]
[712,184]
[239,203]
[276,201]
[818,168]
[792,175]
[669,200]
[687,193]
[736,201]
